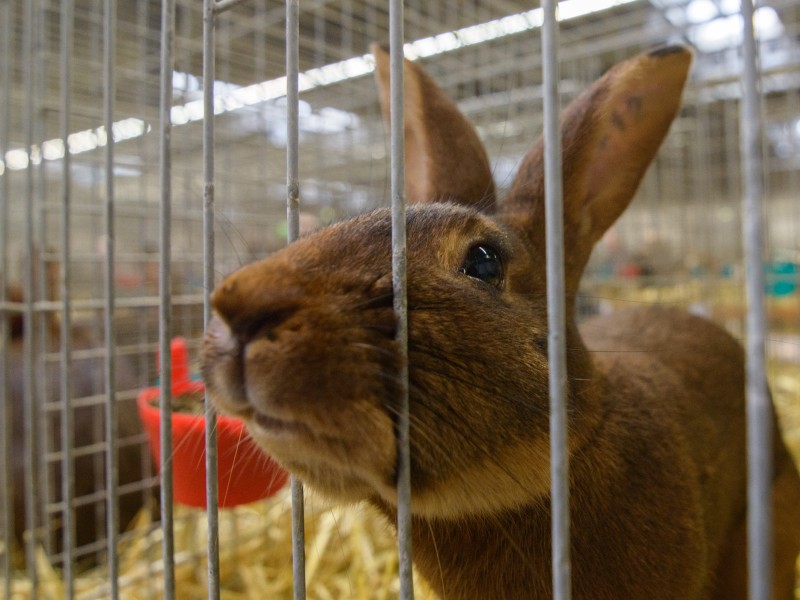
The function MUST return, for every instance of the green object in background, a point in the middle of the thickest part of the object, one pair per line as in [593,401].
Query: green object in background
[282,230]
[782,278]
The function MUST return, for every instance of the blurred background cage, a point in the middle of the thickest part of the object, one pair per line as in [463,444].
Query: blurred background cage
[680,243]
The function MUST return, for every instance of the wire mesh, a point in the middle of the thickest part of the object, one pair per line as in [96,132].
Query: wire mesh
[29,400]
[6,448]
[165,293]
[292,233]
[680,242]
[212,466]
[111,426]
[67,421]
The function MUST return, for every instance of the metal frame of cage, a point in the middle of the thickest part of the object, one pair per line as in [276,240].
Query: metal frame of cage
[758,403]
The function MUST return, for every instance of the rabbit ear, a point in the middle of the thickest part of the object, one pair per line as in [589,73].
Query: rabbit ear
[610,134]
[445,159]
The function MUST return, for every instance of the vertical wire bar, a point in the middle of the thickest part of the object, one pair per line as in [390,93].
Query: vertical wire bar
[292,233]
[165,291]
[399,287]
[554,224]
[112,426]
[43,284]
[6,448]
[759,410]
[292,113]
[67,426]
[212,481]
[31,415]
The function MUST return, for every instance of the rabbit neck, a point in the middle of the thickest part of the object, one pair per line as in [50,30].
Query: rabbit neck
[508,554]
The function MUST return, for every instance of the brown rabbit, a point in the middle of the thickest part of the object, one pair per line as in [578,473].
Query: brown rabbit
[88,377]
[302,347]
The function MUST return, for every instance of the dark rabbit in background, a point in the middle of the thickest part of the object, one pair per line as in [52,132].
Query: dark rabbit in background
[88,379]
[302,347]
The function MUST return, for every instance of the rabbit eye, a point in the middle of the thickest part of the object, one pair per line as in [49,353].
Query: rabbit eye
[483,263]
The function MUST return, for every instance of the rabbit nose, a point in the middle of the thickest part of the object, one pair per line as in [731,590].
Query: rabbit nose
[249,309]
[219,335]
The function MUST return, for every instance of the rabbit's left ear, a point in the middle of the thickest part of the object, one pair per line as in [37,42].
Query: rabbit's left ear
[610,134]
[445,159]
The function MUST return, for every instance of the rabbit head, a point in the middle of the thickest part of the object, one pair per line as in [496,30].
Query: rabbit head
[302,345]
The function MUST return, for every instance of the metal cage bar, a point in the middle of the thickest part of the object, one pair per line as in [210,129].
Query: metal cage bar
[111,424]
[67,421]
[556,319]
[41,325]
[292,120]
[6,449]
[212,481]
[400,292]
[31,414]
[292,233]
[759,405]
[165,292]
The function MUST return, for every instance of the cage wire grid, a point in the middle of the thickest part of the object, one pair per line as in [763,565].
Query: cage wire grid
[85,223]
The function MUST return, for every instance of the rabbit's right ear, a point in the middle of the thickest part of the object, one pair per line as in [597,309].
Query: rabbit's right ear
[445,159]
[610,134]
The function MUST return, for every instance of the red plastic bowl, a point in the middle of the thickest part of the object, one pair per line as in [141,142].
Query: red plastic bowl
[245,472]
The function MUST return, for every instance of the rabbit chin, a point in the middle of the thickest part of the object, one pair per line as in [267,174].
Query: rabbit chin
[352,470]
[340,467]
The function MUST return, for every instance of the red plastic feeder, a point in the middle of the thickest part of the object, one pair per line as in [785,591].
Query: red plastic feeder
[245,472]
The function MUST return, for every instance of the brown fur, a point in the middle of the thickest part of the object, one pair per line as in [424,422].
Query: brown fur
[303,348]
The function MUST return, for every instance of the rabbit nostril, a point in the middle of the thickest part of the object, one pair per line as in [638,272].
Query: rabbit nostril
[251,305]
[248,321]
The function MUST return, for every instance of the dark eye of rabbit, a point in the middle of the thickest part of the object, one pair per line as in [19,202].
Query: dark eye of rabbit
[483,263]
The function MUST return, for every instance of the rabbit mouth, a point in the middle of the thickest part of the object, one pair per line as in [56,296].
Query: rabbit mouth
[274,425]
[335,464]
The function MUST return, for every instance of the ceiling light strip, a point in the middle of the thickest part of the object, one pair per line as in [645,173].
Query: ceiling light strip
[351,68]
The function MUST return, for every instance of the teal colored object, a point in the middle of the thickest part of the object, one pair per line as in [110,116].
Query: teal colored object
[782,278]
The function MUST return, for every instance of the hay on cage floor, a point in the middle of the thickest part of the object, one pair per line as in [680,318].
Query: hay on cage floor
[350,553]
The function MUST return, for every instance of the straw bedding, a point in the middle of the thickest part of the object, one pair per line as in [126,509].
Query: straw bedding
[350,553]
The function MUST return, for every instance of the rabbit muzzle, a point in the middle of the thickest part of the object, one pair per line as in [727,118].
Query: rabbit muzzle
[240,388]
[293,369]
